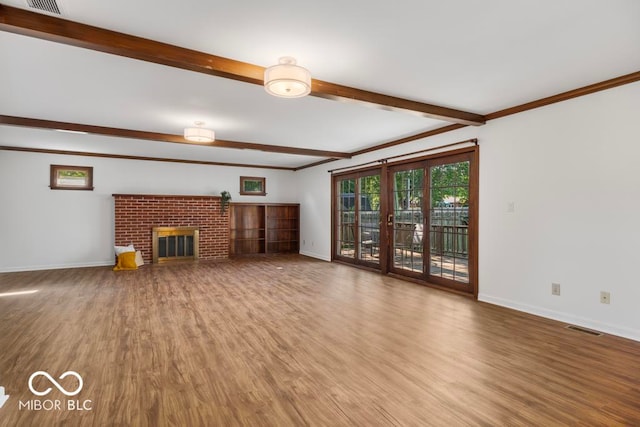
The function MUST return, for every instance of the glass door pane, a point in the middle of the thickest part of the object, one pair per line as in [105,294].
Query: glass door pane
[346,218]
[449,221]
[369,218]
[408,220]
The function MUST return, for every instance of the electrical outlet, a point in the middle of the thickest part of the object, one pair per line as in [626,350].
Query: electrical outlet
[605,297]
[555,289]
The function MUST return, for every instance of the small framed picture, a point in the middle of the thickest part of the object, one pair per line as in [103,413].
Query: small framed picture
[253,186]
[71,177]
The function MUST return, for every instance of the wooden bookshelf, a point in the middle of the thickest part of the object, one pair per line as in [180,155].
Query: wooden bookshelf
[283,228]
[264,228]
[246,229]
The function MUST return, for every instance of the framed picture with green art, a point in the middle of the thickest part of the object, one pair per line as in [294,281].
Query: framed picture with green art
[253,186]
[71,177]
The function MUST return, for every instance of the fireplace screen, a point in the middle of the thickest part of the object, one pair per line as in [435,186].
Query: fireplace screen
[175,243]
[175,246]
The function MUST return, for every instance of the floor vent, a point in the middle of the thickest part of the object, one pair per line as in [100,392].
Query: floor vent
[584,331]
[49,6]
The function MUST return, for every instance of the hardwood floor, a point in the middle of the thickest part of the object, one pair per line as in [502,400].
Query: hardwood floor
[289,340]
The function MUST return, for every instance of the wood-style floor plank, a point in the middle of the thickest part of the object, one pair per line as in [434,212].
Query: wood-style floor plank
[289,340]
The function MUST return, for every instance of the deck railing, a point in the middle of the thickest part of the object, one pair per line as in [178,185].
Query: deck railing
[445,237]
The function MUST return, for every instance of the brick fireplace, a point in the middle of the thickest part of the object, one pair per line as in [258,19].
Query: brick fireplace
[137,214]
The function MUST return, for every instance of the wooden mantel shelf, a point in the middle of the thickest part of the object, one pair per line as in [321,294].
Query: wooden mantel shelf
[168,196]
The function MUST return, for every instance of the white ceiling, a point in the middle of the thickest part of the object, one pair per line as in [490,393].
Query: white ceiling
[477,56]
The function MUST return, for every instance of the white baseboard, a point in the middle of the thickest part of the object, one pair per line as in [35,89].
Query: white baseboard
[56,266]
[316,255]
[620,331]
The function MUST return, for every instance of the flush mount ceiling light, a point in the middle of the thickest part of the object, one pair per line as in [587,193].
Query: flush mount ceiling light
[287,80]
[199,134]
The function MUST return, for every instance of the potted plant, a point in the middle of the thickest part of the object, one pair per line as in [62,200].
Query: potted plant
[226,198]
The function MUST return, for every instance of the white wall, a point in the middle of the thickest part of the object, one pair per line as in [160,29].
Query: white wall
[42,228]
[314,194]
[571,170]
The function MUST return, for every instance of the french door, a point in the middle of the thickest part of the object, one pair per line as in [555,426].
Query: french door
[406,219]
[357,200]
[431,206]
[415,218]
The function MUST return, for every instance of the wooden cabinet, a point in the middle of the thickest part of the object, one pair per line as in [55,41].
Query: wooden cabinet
[264,228]
[246,229]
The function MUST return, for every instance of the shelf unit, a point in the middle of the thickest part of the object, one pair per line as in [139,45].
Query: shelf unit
[264,228]
[246,229]
[283,228]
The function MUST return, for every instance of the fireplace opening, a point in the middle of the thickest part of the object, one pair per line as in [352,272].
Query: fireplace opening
[175,244]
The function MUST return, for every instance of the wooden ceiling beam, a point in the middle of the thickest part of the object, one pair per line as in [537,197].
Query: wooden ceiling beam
[51,28]
[564,96]
[410,138]
[336,92]
[164,137]
[45,27]
[144,158]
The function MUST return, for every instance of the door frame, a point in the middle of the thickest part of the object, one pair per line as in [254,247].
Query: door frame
[425,275]
[386,240]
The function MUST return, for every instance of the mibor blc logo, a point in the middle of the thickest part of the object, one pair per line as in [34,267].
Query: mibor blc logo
[55,405]
[55,383]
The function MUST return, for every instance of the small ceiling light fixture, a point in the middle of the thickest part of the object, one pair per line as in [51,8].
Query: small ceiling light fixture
[287,80]
[199,134]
